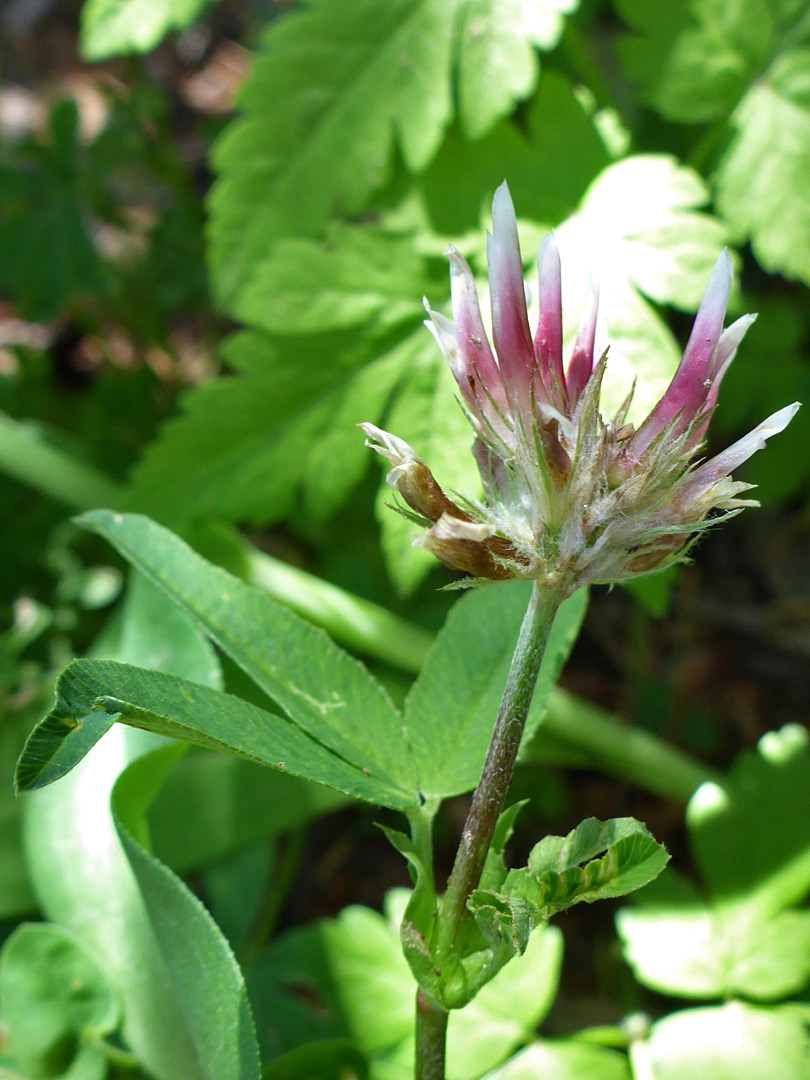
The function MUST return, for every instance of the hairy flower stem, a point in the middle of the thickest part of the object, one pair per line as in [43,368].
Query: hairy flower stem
[486,808]
[496,777]
[431,1037]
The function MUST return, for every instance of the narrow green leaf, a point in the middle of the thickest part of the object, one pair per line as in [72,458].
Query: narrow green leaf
[92,694]
[202,969]
[80,874]
[326,692]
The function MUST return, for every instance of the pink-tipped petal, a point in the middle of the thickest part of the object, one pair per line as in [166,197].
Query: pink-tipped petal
[548,339]
[476,372]
[580,365]
[726,351]
[510,323]
[725,464]
[687,392]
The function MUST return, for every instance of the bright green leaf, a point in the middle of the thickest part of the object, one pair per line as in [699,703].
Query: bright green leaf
[116,27]
[223,456]
[751,835]
[549,165]
[733,1042]
[92,694]
[563,1060]
[640,232]
[203,972]
[247,443]
[497,63]
[761,180]
[356,276]
[669,939]
[327,693]
[693,61]
[751,843]
[707,60]
[53,999]
[331,88]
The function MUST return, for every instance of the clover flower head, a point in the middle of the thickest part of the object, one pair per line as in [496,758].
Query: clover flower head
[569,496]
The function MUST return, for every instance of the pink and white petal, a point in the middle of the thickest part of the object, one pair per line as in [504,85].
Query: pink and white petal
[510,323]
[477,372]
[725,463]
[580,365]
[548,339]
[686,394]
[726,351]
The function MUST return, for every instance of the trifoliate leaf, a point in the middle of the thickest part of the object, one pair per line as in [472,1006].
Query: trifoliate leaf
[595,861]
[497,60]
[115,27]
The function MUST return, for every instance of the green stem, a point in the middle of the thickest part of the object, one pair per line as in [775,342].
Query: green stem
[431,1037]
[25,455]
[496,777]
[584,735]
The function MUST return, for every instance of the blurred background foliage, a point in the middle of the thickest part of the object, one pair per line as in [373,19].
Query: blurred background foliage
[217,224]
